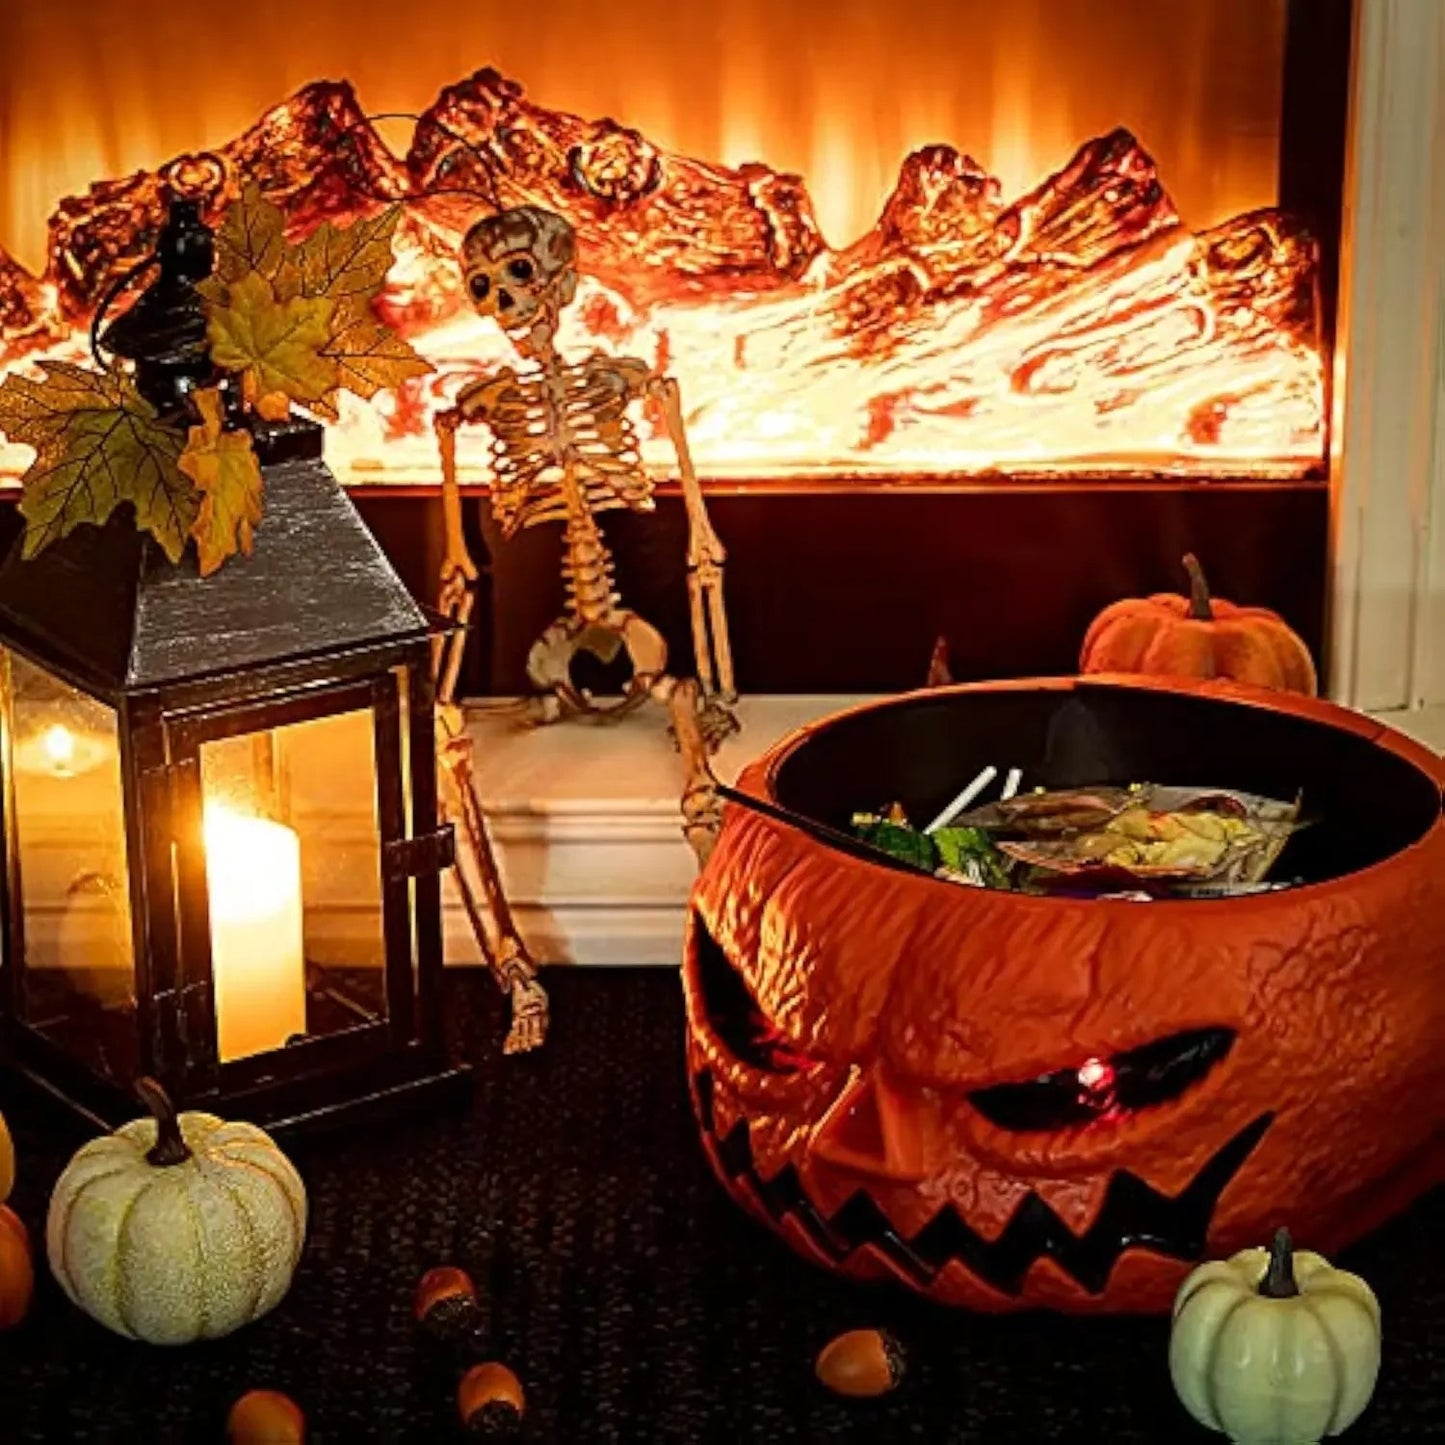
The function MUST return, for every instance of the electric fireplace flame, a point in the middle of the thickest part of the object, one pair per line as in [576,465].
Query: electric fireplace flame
[1075,327]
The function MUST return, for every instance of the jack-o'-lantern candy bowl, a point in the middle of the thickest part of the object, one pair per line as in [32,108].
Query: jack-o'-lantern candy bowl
[911,1080]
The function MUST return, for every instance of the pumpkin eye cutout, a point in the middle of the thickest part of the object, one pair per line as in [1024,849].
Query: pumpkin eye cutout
[1104,1089]
[735,1016]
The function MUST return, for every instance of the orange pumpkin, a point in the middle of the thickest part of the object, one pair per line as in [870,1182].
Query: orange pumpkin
[1006,1101]
[1198,636]
[17,1271]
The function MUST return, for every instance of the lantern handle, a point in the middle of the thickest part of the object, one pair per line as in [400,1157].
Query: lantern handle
[108,299]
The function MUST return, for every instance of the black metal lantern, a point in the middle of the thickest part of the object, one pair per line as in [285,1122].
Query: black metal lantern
[221,846]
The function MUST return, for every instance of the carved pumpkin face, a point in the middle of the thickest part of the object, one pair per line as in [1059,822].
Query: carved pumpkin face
[1005,1101]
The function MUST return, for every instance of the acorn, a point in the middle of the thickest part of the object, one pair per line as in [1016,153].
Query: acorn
[445,1304]
[861,1364]
[265,1417]
[490,1401]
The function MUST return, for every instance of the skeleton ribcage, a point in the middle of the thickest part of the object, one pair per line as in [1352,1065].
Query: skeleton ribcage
[537,436]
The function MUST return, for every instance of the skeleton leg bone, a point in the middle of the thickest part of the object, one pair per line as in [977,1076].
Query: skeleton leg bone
[705,558]
[507,959]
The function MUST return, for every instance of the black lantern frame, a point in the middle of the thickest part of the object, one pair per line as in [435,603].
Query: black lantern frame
[314,625]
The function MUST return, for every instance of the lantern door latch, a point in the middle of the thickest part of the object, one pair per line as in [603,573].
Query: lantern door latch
[421,856]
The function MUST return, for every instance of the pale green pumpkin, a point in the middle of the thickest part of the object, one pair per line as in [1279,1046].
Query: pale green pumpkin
[1273,1347]
[175,1229]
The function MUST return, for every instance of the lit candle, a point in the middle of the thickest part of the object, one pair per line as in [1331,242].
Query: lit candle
[253,876]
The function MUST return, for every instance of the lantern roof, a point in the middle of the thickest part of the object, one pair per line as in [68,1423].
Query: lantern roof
[105,605]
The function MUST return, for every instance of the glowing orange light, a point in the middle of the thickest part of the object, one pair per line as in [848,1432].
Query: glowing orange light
[1123,329]
[58,745]
[1096,1076]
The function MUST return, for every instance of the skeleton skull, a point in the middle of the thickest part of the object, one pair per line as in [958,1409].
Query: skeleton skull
[517,266]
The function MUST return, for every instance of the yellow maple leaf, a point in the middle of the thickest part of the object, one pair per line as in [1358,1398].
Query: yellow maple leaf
[349,263]
[275,345]
[224,468]
[370,357]
[273,406]
[98,444]
[297,321]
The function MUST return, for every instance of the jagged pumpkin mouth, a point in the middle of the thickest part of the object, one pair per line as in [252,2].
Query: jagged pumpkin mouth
[1133,1213]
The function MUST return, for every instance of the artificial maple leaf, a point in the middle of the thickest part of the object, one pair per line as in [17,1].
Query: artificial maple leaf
[98,443]
[275,345]
[35,413]
[251,238]
[297,321]
[224,468]
[273,406]
[349,264]
[370,357]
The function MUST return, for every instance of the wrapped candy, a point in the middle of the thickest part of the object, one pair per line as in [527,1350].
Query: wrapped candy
[1188,838]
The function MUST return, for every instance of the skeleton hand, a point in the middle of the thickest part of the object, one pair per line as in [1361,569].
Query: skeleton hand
[458,573]
[705,552]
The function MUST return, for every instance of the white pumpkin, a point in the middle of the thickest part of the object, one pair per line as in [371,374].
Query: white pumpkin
[177,1229]
[1271,1347]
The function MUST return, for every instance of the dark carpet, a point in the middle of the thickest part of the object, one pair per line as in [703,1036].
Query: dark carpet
[634,1301]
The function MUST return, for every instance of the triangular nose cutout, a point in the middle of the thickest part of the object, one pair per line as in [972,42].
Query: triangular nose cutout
[873,1128]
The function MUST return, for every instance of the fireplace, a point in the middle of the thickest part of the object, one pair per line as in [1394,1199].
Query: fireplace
[1030,301]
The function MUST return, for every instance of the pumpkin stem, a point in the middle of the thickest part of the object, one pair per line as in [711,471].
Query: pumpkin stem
[1279,1280]
[1199,600]
[169,1147]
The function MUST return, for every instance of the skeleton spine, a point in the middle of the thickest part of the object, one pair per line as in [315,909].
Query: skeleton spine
[586,564]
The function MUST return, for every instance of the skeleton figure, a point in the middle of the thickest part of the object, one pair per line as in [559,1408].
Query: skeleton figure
[564,449]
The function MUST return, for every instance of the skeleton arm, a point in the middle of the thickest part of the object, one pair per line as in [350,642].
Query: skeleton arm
[705,554]
[477,876]
[459,571]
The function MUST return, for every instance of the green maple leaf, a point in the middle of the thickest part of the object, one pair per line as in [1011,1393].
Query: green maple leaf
[98,444]
[35,413]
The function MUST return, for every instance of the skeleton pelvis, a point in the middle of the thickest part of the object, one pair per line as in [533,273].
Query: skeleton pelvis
[549,664]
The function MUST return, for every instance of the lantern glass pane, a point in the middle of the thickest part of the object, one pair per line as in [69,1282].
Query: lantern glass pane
[77,969]
[293,876]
